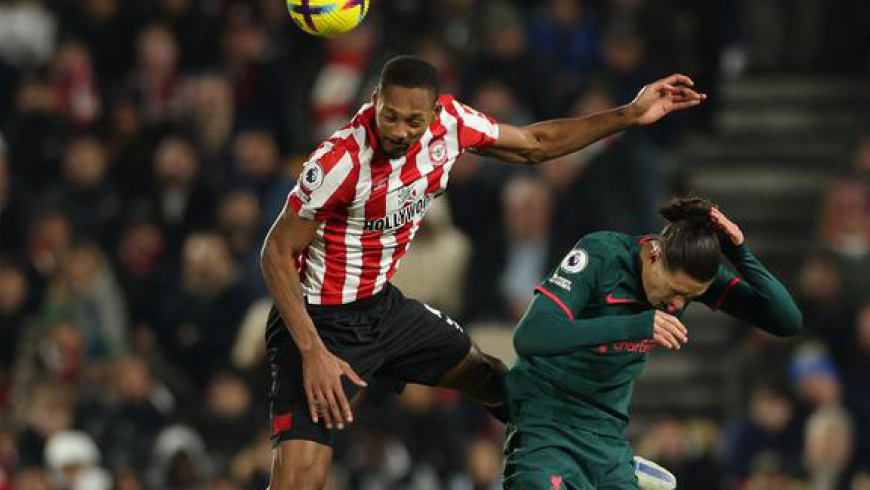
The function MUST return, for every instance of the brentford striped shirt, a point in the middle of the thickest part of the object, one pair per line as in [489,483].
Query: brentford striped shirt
[370,205]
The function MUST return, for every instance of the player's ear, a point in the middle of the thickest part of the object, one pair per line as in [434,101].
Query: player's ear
[655,254]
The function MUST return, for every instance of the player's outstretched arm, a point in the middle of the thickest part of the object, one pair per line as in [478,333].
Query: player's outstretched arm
[551,139]
[322,371]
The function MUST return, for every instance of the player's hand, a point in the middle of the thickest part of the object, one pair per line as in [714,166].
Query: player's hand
[727,227]
[656,100]
[322,372]
[668,331]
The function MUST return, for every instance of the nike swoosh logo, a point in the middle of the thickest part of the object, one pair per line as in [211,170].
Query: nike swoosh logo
[611,300]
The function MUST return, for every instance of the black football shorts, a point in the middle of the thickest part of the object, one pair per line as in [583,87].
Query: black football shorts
[387,336]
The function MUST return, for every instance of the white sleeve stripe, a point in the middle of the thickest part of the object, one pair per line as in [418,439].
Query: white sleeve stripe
[476,120]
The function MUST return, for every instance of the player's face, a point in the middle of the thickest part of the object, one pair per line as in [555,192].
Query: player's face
[671,290]
[402,116]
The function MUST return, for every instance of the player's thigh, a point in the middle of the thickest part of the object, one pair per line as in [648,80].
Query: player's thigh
[290,415]
[621,474]
[300,465]
[539,458]
[422,344]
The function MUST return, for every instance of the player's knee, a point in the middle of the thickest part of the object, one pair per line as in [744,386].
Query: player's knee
[299,478]
[300,473]
[490,373]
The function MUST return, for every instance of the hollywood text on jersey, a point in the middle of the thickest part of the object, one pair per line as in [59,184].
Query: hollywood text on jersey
[400,217]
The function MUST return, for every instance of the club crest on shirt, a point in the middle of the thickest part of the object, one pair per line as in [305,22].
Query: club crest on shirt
[312,176]
[575,261]
[438,152]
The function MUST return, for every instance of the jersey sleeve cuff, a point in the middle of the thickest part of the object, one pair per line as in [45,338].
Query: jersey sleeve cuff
[639,327]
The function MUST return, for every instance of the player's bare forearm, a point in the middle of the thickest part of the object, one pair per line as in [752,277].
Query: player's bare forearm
[559,137]
[277,261]
[546,140]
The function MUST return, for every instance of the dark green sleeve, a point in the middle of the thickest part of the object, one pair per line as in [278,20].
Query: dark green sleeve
[545,329]
[549,327]
[756,296]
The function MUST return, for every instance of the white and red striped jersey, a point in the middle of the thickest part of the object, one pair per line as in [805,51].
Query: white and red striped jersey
[370,205]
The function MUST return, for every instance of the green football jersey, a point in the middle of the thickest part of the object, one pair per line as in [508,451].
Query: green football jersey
[587,334]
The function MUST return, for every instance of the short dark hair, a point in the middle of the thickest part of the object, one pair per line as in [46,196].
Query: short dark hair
[690,240]
[410,72]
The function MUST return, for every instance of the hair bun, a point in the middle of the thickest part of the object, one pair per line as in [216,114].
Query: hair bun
[694,209]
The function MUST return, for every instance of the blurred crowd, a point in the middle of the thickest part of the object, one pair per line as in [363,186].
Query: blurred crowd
[147,145]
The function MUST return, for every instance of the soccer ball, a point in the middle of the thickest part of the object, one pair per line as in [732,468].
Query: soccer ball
[327,17]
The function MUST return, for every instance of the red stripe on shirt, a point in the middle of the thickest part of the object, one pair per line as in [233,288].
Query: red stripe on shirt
[375,208]
[718,304]
[557,300]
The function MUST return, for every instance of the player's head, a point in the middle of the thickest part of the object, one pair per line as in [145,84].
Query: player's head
[683,261]
[405,103]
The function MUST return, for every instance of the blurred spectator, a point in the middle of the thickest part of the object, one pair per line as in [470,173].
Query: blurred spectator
[528,208]
[828,449]
[13,209]
[856,380]
[686,450]
[624,52]
[845,221]
[506,57]
[228,420]
[815,377]
[483,465]
[212,114]
[565,34]
[516,261]
[45,410]
[86,295]
[180,460]
[238,221]
[433,50]
[86,195]
[49,240]
[35,131]
[183,199]
[767,473]
[437,242]
[253,462]
[196,26]
[202,315]
[129,146]
[259,167]
[16,309]
[108,28]
[76,85]
[143,270]
[155,79]
[821,296]
[258,78]
[32,478]
[73,460]
[126,418]
[127,479]
[8,457]
[771,430]
[27,33]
